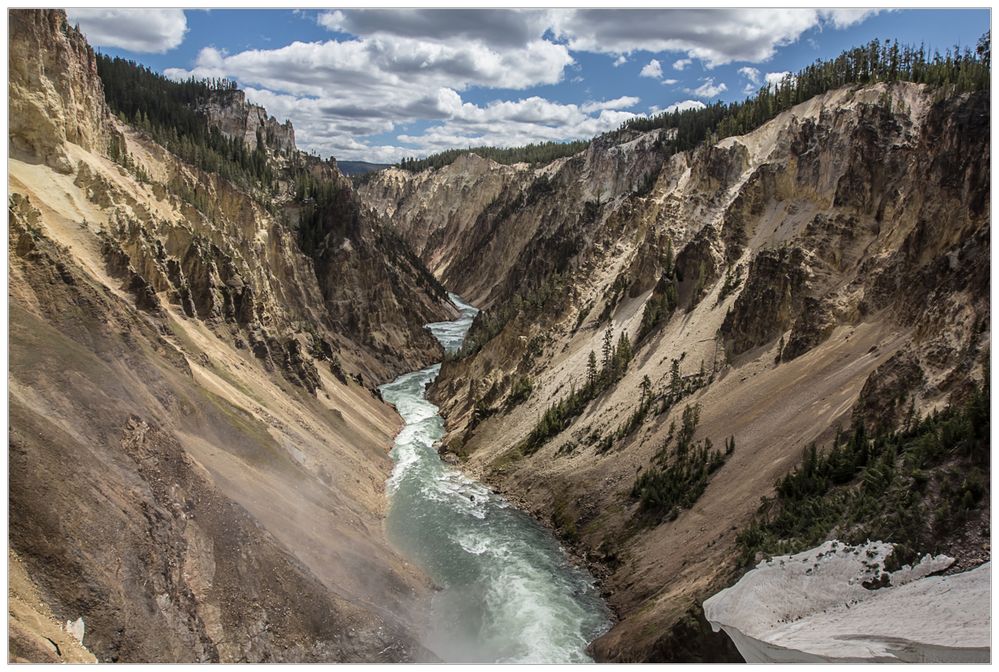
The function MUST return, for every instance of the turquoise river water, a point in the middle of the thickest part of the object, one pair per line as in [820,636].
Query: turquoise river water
[507,591]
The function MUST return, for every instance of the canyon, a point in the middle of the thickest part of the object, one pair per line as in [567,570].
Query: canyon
[201,365]
[827,268]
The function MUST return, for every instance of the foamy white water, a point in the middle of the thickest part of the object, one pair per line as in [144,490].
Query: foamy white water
[508,592]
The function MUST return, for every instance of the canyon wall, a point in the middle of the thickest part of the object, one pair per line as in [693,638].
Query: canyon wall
[197,449]
[829,267]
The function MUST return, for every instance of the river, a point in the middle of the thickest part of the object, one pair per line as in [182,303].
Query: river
[507,591]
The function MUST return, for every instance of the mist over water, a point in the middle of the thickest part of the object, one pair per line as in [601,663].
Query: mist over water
[507,590]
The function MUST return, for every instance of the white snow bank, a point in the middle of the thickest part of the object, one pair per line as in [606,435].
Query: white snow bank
[813,607]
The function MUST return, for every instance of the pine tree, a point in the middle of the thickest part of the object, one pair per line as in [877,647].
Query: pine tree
[622,353]
[646,392]
[606,351]
[591,372]
[675,382]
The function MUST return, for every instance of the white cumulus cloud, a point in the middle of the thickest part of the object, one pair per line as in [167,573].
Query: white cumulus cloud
[622,103]
[844,18]
[322,125]
[139,30]
[752,74]
[774,78]
[652,69]
[715,36]
[685,105]
[385,71]
[708,88]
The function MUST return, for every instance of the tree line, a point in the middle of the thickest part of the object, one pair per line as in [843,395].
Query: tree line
[169,111]
[534,153]
[955,71]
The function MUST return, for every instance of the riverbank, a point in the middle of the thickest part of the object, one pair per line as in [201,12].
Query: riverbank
[509,591]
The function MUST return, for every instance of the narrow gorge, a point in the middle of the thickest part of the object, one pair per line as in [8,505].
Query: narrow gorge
[508,593]
[823,275]
[608,400]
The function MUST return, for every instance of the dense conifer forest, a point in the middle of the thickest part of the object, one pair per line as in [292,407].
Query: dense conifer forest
[169,111]
[956,70]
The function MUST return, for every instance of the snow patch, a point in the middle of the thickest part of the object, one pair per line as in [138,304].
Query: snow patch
[838,603]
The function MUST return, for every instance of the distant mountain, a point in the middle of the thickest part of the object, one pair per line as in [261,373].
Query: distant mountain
[352,168]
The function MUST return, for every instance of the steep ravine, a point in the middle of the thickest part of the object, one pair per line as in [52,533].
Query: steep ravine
[199,371]
[507,591]
[798,290]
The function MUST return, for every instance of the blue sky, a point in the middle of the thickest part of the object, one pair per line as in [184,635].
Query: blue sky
[382,84]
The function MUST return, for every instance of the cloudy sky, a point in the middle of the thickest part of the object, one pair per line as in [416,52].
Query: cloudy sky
[382,84]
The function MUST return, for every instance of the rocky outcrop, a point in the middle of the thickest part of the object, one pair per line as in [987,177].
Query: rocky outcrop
[838,603]
[55,95]
[889,393]
[696,269]
[769,301]
[236,118]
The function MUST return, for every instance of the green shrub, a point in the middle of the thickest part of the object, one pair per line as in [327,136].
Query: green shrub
[914,487]
[679,473]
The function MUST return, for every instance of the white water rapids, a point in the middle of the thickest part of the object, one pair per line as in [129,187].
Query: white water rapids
[508,593]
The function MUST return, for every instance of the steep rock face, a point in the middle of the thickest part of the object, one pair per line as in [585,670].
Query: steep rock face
[798,275]
[199,453]
[476,223]
[437,212]
[133,508]
[769,301]
[55,95]
[373,285]
[236,118]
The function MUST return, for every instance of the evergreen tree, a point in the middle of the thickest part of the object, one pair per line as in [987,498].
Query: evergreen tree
[675,382]
[646,392]
[606,350]
[591,371]
[622,353]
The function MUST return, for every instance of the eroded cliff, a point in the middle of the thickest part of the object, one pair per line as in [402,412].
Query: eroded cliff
[825,268]
[197,450]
